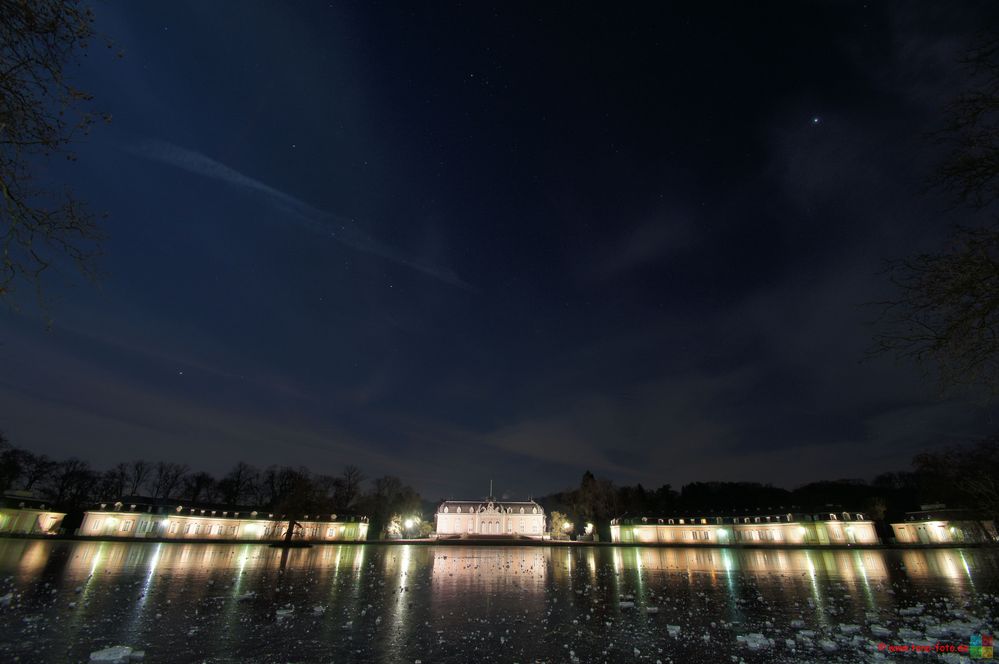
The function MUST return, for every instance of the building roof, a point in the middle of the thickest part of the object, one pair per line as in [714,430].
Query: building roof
[135,504]
[489,504]
[720,519]
[943,513]
[24,500]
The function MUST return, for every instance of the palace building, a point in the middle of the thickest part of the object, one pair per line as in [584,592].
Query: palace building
[815,529]
[489,517]
[23,514]
[936,524]
[165,520]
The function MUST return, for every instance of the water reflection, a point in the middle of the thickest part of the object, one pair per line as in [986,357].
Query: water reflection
[474,568]
[492,569]
[441,603]
[851,565]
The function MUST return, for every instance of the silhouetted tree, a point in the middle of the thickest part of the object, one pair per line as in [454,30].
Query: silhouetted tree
[41,114]
[200,487]
[139,473]
[388,496]
[946,312]
[114,481]
[347,488]
[69,484]
[35,467]
[965,475]
[166,479]
[239,485]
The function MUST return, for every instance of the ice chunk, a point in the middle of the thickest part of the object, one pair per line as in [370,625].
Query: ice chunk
[754,641]
[113,655]
[882,632]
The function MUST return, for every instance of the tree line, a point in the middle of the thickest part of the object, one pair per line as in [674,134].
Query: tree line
[72,485]
[958,476]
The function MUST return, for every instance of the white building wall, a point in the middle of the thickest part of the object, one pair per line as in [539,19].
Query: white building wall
[490,519]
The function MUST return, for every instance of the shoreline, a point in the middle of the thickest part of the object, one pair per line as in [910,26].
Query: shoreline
[516,543]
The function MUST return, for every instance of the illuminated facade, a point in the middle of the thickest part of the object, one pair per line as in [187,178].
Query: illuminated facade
[462,518]
[936,524]
[21,514]
[195,523]
[827,528]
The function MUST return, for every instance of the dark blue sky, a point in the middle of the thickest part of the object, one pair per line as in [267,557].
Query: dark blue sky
[458,242]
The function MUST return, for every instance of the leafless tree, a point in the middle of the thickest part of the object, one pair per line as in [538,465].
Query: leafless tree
[69,482]
[139,472]
[167,478]
[347,488]
[966,474]
[35,468]
[199,487]
[114,481]
[41,114]
[239,485]
[945,314]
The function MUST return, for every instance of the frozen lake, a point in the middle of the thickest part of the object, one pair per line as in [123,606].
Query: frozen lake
[362,602]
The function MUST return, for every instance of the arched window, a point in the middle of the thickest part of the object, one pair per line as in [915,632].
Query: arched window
[521,510]
[445,509]
[535,510]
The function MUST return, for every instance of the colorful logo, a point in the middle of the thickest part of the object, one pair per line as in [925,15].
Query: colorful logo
[981,646]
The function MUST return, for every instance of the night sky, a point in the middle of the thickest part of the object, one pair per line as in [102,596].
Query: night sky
[463,242]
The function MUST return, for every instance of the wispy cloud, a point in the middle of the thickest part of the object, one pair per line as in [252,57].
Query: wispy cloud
[307,216]
[643,245]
